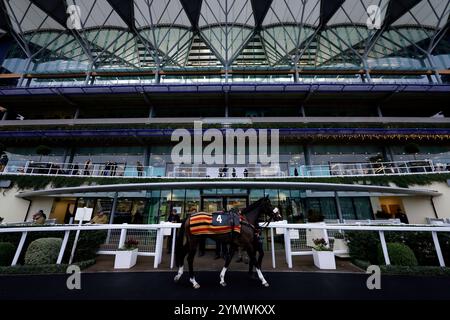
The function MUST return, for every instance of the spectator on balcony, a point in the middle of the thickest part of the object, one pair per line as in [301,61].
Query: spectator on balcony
[87,168]
[3,162]
[107,169]
[245,173]
[75,170]
[113,169]
[296,172]
[140,169]
[233,173]
[100,218]
[401,216]
[39,217]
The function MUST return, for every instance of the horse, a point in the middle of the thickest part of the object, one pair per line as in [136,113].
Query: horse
[242,231]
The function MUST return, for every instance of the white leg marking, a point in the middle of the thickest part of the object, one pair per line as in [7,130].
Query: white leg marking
[179,274]
[261,277]
[222,277]
[194,283]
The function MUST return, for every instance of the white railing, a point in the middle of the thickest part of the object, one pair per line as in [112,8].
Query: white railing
[290,231]
[123,170]
[155,251]
[166,229]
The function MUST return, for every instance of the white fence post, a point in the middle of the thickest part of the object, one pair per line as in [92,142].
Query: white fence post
[19,248]
[63,247]
[158,247]
[272,248]
[384,247]
[123,237]
[438,248]
[287,246]
[172,253]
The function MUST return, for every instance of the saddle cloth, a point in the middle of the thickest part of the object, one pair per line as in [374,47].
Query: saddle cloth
[215,223]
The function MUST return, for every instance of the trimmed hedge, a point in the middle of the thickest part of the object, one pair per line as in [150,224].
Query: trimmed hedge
[44,269]
[7,251]
[363,245]
[87,247]
[41,182]
[399,255]
[43,251]
[407,270]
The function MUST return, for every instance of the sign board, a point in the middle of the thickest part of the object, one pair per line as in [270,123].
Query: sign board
[279,230]
[166,231]
[294,234]
[178,209]
[84,214]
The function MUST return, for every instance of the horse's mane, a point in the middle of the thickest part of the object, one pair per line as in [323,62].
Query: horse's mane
[252,206]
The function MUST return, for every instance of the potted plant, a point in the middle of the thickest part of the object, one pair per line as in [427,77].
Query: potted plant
[340,246]
[126,256]
[323,255]
[314,217]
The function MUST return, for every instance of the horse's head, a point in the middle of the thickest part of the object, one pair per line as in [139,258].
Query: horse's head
[269,210]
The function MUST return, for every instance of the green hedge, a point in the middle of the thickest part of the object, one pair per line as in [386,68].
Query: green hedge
[399,255]
[44,269]
[43,251]
[363,245]
[41,182]
[407,270]
[7,251]
[88,243]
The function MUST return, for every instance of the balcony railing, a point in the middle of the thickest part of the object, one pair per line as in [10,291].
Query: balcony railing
[213,172]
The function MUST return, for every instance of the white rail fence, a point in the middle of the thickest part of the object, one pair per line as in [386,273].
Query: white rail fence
[291,231]
[151,238]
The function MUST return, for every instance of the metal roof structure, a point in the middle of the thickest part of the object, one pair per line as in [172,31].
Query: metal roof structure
[225,35]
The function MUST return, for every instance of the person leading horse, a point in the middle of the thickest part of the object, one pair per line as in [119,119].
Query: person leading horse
[233,229]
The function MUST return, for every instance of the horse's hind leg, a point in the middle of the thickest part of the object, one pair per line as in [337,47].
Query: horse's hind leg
[252,256]
[228,258]
[180,262]
[191,256]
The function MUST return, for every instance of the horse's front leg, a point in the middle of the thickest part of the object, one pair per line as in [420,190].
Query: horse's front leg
[229,257]
[256,263]
[190,259]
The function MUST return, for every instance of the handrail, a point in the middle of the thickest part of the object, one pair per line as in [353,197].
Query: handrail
[123,170]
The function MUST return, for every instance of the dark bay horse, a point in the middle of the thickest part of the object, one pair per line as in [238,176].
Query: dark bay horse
[241,232]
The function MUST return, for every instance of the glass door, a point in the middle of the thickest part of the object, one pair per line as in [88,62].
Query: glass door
[212,204]
[236,203]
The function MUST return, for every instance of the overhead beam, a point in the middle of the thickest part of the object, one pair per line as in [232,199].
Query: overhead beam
[125,9]
[260,9]
[55,9]
[192,9]
[328,8]
[396,9]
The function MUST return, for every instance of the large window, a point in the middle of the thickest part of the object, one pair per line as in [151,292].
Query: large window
[124,159]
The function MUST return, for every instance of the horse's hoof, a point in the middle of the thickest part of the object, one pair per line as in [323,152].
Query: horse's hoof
[196,286]
[176,279]
[223,284]
[266,284]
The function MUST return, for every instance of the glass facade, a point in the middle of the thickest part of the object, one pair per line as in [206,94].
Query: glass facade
[157,204]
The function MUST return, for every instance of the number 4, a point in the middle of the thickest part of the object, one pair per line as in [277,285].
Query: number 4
[219,219]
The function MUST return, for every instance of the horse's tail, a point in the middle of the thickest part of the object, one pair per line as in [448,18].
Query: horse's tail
[179,244]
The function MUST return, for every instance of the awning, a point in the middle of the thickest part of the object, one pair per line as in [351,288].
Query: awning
[230,184]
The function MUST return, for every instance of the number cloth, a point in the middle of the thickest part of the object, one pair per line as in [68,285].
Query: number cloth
[215,223]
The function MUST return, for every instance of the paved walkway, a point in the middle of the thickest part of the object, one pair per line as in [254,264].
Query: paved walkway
[283,286]
[208,263]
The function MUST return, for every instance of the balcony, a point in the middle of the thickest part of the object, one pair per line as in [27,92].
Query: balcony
[114,170]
